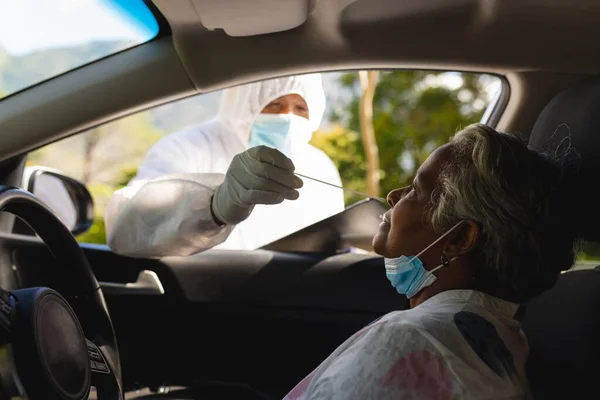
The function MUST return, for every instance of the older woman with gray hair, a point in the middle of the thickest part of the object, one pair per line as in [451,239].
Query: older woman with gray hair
[485,226]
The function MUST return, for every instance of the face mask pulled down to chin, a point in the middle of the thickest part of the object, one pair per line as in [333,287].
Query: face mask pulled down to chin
[284,132]
[407,273]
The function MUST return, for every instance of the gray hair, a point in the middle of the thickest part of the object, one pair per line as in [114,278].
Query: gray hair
[520,200]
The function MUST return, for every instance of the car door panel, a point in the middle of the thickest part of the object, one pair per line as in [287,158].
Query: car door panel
[253,319]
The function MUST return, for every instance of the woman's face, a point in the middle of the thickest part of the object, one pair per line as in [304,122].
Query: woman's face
[288,104]
[404,230]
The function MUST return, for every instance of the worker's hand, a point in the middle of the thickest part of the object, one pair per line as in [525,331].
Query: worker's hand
[260,175]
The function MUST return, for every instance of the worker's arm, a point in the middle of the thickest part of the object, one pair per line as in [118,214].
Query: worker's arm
[164,212]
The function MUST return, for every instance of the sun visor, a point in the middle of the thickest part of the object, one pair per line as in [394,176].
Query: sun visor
[366,12]
[252,17]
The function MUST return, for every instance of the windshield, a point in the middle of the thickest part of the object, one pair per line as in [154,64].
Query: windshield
[82,31]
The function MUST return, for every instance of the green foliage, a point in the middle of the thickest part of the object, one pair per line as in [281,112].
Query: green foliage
[412,117]
[127,174]
[344,147]
[590,252]
[96,234]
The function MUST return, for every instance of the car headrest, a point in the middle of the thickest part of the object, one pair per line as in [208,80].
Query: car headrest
[574,116]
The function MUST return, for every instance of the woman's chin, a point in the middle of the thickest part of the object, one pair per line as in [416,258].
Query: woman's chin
[379,241]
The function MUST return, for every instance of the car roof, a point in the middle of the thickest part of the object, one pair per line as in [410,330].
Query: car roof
[540,46]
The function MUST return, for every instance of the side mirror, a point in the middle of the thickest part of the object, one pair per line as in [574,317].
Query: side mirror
[67,197]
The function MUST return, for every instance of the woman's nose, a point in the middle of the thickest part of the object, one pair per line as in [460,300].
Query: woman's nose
[394,196]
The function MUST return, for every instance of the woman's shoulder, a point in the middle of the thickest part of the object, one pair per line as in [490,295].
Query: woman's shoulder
[417,321]
[400,323]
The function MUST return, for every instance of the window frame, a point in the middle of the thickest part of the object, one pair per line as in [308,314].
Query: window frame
[497,106]
[491,115]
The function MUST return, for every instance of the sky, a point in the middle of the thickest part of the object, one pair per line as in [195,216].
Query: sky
[32,25]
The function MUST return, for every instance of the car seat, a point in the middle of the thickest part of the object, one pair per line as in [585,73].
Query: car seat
[563,324]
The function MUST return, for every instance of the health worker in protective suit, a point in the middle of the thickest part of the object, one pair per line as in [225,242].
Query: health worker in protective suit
[230,182]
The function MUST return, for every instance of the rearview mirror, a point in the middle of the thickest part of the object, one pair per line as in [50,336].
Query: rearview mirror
[67,197]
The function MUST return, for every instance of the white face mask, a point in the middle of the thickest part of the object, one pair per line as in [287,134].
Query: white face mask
[284,132]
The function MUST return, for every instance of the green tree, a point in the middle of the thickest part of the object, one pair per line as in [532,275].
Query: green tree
[412,115]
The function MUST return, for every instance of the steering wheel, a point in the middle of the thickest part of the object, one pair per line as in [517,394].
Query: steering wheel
[56,347]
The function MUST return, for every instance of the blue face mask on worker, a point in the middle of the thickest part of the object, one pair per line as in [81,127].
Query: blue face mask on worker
[407,273]
[283,132]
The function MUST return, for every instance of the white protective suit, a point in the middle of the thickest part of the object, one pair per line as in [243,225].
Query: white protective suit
[165,210]
[458,344]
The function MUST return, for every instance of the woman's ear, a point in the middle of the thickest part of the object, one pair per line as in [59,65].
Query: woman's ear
[463,240]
